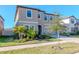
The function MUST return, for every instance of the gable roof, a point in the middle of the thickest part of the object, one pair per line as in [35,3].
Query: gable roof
[1,17]
[30,8]
[68,17]
[18,6]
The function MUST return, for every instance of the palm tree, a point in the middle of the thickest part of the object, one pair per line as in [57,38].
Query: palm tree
[20,31]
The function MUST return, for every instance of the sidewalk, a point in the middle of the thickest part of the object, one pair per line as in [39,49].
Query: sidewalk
[29,46]
[65,40]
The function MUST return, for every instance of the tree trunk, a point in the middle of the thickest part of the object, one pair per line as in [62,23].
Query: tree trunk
[19,36]
[58,35]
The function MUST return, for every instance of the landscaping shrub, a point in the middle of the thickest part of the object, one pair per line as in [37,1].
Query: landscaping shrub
[6,39]
[77,33]
[72,33]
[52,39]
[65,33]
[20,41]
[31,33]
[23,40]
[44,36]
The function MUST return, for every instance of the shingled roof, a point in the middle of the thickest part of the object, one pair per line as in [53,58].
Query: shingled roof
[2,17]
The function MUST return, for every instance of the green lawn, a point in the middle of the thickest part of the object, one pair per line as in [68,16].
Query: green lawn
[77,36]
[8,41]
[66,48]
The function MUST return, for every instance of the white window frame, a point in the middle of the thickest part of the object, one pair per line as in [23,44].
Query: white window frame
[31,14]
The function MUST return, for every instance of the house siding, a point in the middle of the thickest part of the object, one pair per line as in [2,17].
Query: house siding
[34,20]
[22,19]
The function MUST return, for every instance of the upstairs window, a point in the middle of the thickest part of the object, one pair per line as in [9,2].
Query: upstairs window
[29,13]
[38,15]
[50,17]
[45,18]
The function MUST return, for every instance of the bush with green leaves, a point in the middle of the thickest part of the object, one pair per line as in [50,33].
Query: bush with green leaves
[57,25]
[22,40]
[72,33]
[31,34]
[77,32]
[20,31]
[45,36]
[65,33]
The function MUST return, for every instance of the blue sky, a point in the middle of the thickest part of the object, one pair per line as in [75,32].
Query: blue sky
[8,11]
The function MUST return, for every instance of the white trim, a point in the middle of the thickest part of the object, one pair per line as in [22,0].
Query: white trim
[28,22]
[31,14]
[15,22]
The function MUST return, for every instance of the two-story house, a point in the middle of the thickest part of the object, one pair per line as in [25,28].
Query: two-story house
[31,17]
[77,25]
[39,20]
[70,22]
[1,25]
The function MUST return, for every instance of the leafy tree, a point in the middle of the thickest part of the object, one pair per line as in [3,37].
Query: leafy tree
[20,31]
[23,31]
[57,25]
[31,33]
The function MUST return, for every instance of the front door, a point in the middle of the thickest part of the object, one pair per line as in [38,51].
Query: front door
[39,29]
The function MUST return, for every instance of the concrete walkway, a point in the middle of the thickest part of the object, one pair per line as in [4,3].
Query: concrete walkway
[65,40]
[29,46]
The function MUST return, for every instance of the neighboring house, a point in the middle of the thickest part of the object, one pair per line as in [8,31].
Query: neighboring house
[40,20]
[8,32]
[70,23]
[1,25]
[77,25]
[37,19]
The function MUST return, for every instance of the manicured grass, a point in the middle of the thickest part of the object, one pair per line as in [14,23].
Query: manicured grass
[65,48]
[5,41]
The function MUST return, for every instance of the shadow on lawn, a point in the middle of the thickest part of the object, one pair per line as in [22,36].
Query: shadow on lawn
[4,39]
